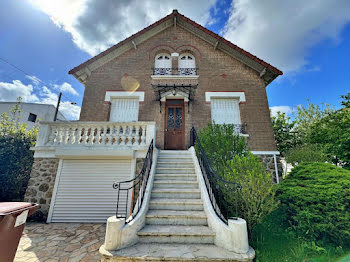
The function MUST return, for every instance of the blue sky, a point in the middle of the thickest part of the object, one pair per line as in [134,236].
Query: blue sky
[48,38]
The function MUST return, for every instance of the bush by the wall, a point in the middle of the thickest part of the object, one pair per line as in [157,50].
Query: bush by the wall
[256,198]
[316,197]
[16,158]
[307,153]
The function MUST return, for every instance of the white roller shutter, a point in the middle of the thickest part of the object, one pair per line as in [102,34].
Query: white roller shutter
[225,111]
[84,190]
[124,110]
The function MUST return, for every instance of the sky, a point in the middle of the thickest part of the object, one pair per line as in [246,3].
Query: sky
[41,40]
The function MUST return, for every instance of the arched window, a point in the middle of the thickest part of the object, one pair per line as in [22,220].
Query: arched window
[187,64]
[162,64]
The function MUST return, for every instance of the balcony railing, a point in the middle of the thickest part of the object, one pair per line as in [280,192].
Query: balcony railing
[104,134]
[175,71]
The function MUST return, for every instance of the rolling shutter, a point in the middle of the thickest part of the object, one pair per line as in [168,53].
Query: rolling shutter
[84,190]
[125,110]
[225,111]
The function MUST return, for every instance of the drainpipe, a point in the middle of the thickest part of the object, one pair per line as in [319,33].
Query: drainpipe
[276,169]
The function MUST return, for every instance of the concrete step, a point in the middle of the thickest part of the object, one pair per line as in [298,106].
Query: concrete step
[162,183]
[174,252]
[175,204]
[177,164]
[175,217]
[174,170]
[181,177]
[170,152]
[176,234]
[186,159]
[180,193]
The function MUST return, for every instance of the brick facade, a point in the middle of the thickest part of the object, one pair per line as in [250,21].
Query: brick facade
[217,72]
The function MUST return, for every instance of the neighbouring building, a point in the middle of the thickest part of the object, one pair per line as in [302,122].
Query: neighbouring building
[31,113]
[153,86]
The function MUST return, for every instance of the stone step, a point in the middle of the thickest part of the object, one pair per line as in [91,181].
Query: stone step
[181,193]
[162,183]
[175,170]
[176,204]
[175,164]
[174,252]
[184,159]
[175,217]
[179,152]
[176,234]
[181,177]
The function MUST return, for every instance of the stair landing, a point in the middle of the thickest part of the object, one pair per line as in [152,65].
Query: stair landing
[174,252]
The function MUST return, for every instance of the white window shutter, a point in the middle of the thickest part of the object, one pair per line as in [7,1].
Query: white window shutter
[225,111]
[124,110]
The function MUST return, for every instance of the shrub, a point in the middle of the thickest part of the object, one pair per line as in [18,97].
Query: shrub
[256,198]
[221,144]
[16,158]
[306,153]
[316,197]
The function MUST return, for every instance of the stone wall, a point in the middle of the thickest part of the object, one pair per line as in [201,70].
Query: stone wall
[268,160]
[41,184]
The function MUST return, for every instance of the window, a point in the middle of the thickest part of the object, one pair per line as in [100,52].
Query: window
[162,64]
[124,110]
[32,117]
[225,111]
[187,65]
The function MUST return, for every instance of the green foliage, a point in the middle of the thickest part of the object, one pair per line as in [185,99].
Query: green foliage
[333,132]
[274,241]
[221,144]
[285,137]
[16,159]
[316,197]
[306,153]
[256,198]
[307,116]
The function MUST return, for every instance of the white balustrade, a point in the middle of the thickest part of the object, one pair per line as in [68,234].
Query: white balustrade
[95,134]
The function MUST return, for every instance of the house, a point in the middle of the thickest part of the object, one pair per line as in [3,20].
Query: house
[32,112]
[142,98]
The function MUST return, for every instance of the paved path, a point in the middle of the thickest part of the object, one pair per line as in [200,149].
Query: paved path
[62,242]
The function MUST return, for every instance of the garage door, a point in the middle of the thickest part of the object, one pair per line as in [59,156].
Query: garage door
[84,190]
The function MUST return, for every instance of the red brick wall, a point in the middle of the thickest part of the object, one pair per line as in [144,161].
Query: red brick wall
[217,72]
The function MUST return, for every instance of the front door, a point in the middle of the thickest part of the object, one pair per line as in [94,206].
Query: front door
[174,124]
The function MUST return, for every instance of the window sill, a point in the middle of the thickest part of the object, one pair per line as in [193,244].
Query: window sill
[162,77]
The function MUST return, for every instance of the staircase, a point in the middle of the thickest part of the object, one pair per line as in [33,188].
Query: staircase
[176,227]
[175,212]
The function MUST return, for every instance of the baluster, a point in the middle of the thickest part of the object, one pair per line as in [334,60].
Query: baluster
[103,135]
[98,135]
[84,136]
[91,136]
[71,136]
[52,136]
[77,135]
[129,135]
[109,134]
[114,135]
[59,135]
[143,135]
[123,135]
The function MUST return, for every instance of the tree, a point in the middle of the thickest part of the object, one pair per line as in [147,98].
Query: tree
[333,132]
[285,136]
[16,158]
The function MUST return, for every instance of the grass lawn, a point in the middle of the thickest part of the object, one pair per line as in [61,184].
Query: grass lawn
[273,241]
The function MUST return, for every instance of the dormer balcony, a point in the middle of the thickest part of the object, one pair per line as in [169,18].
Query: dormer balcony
[174,73]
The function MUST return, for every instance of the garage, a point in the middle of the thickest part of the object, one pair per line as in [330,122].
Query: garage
[83,190]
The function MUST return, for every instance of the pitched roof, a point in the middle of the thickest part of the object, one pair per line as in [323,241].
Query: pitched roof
[170,17]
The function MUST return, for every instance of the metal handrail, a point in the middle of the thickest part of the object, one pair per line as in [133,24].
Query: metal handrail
[214,183]
[131,192]
[172,71]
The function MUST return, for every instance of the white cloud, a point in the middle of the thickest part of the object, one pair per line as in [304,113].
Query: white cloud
[288,110]
[9,92]
[66,87]
[97,24]
[281,32]
[34,79]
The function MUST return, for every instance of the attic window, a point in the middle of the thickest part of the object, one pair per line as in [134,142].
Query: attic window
[32,117]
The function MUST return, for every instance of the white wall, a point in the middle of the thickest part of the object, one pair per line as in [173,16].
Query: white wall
[44,112]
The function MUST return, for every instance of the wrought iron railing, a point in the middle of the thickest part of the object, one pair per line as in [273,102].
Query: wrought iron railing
[175,71]
[220,191]
[131,193]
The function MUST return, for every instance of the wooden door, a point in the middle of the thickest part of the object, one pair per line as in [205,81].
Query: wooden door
[174,125]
